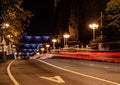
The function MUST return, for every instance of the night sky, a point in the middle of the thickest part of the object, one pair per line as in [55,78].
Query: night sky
[42,21]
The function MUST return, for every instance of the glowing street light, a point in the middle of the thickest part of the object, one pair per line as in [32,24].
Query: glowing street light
[5,25]
[65,36]
[47,46]
[42,49]
[38,53]
[94,27]
[54,41]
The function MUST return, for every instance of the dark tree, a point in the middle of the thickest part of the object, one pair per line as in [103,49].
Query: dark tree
[12,13]
[73,20]
[111,29]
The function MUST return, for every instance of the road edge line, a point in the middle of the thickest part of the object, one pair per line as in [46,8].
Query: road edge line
[10,74]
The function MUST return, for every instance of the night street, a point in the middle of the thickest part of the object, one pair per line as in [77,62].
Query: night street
[59,42]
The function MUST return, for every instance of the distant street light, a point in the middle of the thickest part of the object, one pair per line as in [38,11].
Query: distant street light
[65,36]
[54,41]
[38,53]
[93,26]
[42,49]
[47,46]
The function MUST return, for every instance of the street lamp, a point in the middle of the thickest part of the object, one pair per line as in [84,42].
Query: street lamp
[54,41]
[65,36]
[94,27]
[47,46]
[42,49]
[9,44]
[38,53]
[5,25]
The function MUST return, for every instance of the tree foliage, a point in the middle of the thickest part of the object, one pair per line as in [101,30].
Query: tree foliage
[73,20]
[111,29]
[113,7]
[12,13]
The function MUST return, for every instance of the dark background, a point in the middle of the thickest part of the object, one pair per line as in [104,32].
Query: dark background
[47,21]
[42,21]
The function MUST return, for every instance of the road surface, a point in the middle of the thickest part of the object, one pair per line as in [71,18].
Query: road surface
[65,72]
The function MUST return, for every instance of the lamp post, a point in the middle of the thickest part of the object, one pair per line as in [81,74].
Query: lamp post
[5,25]
[42,49]
[65,36]
[54,41]
[9,44]
[47,46]
[94,27]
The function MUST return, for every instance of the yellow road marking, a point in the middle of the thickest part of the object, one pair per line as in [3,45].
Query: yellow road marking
[89,76]
[57,79]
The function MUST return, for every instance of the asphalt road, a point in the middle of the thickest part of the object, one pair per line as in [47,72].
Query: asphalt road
[4,79]
[65,72]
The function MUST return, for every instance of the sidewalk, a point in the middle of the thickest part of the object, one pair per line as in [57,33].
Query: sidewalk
[4,79]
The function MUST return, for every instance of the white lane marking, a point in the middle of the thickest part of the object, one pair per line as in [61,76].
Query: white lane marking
[10,75]
[57,79]
[89,76]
